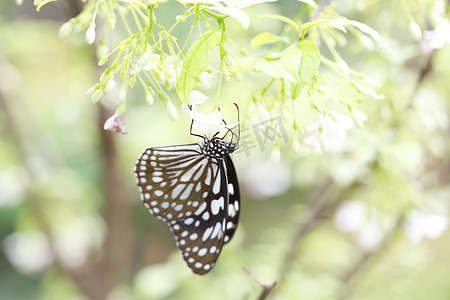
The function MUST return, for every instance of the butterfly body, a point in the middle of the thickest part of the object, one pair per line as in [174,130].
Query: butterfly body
[194,189]
[216,147]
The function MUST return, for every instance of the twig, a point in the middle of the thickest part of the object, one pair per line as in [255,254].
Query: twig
[351,277]
[266,287]
[316,15]
[320,9]
[319,197]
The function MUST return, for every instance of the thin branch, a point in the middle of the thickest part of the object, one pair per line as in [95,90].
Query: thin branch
[350,278]
[320,9]
[266,287]
[319,198]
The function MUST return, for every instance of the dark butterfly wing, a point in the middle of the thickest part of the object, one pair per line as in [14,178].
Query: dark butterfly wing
[169,178]
[188,191]
[200,237]
[233,199]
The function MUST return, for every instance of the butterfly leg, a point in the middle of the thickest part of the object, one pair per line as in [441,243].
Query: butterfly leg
[192,123]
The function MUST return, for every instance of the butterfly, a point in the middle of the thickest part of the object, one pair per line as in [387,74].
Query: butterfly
[194,189]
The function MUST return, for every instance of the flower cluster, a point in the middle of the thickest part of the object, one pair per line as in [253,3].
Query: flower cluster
[369,228]
[209,124]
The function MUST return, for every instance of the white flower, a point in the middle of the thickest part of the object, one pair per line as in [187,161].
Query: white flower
[422,224]
[266,179]
[370,235]
[28,251]
[204,81]
[332,133]
[114,124]
[439,37]
[275,155]
[365,226]
[415,30]
[66,29]
[151,62]
[350,216]
[358,118]
[109,86]
[171,110]
[209,124]
[90,34]
[263,115]
[197,98]
[323,141]
[96,95]
[144,59]
[149,98]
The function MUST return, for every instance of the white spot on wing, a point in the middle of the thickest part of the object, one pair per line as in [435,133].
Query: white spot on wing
[207,233]
[156,179]
[216,230]
[208,176]
[200,209]
[231,211]
[230,189]
[217,182]
[202,252]
[187,192]
[216,205]
[177,190]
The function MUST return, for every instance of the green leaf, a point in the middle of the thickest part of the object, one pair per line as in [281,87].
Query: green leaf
[286,66]
[235,13]
[364,28]
[42,3]
[282,18]
[333,23]
[310,3]
[247,3]
[308,67]
[266,38]
[339,24]
[196,61]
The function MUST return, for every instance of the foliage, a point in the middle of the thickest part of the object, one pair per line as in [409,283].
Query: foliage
[160,60]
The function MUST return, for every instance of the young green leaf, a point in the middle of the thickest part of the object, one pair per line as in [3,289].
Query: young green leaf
[364,28]
[282,18]
[265,38]
[332,23]
[197,60]
[235,13]
[308,67]
[286,66]
[339,24]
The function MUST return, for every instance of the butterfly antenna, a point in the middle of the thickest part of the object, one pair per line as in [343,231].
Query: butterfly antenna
[239,126]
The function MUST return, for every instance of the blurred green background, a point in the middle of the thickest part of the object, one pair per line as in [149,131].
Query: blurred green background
[367,220]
